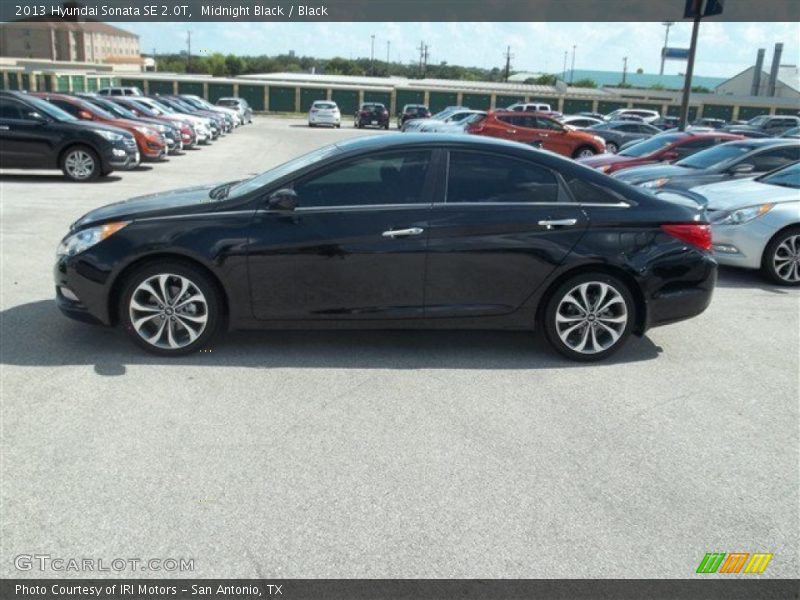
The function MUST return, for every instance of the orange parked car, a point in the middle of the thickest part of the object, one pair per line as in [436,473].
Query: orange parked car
[539,130]
[152,145]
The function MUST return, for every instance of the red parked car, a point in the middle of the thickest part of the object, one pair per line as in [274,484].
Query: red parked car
[664,147]
[150,142]
[540,130]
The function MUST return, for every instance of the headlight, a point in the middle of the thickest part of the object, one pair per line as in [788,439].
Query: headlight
[599,140]
[144,130]
[743,215]
[109,135]
[654,183]
[86,238]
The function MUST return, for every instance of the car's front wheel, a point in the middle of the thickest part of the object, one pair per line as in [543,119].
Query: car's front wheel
[612,147]
[781,261]
[81,163]
[589,316]
[584,152]
[170,308]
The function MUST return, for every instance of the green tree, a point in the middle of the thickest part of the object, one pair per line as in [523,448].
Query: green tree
[585,83]
[234,65]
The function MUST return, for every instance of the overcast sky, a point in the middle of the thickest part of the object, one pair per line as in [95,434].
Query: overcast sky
[724,48]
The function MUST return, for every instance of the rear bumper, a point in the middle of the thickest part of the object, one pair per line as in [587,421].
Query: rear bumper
[685,296]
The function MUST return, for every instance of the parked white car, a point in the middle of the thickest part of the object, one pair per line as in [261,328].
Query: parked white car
[324,112]
[120,91]
[648,116]
[580,121]
[755,223]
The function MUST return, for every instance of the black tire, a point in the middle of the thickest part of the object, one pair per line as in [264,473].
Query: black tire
[576,323]
[211,310]
[338,126]
[768,267]
[310,124]
[584,152]
[81,164]
[386,126]
[612,147]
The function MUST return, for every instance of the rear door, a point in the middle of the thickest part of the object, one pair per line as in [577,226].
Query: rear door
[499,227]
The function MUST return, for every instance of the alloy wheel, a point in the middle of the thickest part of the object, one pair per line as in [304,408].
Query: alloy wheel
[168,311]
[786,259]
[79,164]
[591,317]
[585,153]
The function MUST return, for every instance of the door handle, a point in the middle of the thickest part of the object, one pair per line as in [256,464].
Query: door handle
[549,224]
[511,131]
[393,233]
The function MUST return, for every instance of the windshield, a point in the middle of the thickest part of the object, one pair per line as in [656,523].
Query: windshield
[324,105]
[267,177]
[786,177]
[651,145]
[756,121]
[715,156]
[441,116]
[599,126]
[147,110]
[103,114]
[50,110]
[167,108]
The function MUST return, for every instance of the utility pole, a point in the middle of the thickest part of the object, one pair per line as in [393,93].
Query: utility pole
[564,72]
[388,47]
[421,49]
[572,70]
[188,51]
[687,83]
[666,24]
[425,56]
[624,69]
[508,56]
[372,54]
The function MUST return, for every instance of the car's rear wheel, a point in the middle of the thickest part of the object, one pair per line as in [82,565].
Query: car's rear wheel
[781,261]
[584,152]
[81,163]
[589,316]
[612,147]
[170,308]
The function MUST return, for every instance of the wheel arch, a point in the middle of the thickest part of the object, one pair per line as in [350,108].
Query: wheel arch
[119,281]
[74,144]
[633,286]
[781,231]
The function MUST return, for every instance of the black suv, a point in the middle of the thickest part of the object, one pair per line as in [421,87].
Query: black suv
[372,114]
[35,134]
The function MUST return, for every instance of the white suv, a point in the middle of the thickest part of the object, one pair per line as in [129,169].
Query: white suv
[648,116]
[530,107]
[324,112]
[120,91]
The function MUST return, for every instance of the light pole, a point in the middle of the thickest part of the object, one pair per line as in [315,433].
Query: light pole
[372,54]
[624,69]
[388,46]
[564,72]
[572,69]
[666,24]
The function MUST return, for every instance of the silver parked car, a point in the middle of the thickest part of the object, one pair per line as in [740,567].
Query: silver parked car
[240,105]
[755,223]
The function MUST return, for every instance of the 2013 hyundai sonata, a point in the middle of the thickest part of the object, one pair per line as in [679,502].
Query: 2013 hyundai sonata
[426,231]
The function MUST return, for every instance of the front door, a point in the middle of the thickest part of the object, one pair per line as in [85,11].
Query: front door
[503,227]
[25,141]
[354,248]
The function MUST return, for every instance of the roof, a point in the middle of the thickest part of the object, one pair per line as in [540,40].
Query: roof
[788,75]
[639,80]
[81,26]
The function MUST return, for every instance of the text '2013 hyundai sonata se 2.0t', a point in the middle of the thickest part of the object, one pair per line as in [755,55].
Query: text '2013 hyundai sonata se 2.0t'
[392,232]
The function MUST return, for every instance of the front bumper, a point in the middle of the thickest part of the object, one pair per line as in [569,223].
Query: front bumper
[122,159]
[81,291]
[741,245]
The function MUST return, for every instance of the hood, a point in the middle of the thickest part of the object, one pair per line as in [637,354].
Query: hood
[648,172]
[127,123]
[739,193]
[80,124]
[162,203]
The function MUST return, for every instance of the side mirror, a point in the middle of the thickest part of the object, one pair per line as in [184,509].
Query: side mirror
[669,156]
[283,199]
[85,115]
[742,168]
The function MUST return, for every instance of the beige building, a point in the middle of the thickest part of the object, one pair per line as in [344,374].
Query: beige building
[69,41]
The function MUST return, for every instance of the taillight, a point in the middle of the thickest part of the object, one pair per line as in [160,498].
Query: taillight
[696,234]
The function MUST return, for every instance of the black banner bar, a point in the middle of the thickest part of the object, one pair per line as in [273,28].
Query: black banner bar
[734,588]
[388,10]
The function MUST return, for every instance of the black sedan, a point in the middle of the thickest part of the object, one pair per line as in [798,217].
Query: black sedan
[425,231]
[732,160]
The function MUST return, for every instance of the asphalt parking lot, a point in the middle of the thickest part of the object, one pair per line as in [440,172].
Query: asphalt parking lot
[385,454]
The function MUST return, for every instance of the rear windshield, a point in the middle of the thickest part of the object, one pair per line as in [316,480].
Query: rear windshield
[715,156]
[653,144]
[325,105]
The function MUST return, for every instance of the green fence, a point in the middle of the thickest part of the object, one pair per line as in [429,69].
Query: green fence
[607,106]
[477,101]
[190,87]
[347,100]
[254,94]
[157,86]
[788,111]
[384,98]
[748,112]
[281,99]
[219,90]
[62,83]
[441,100]
[132,83]
[409,97]
[575,106]
[648,106]
[502,101]
[718,111]
[674,111]
[309,95]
